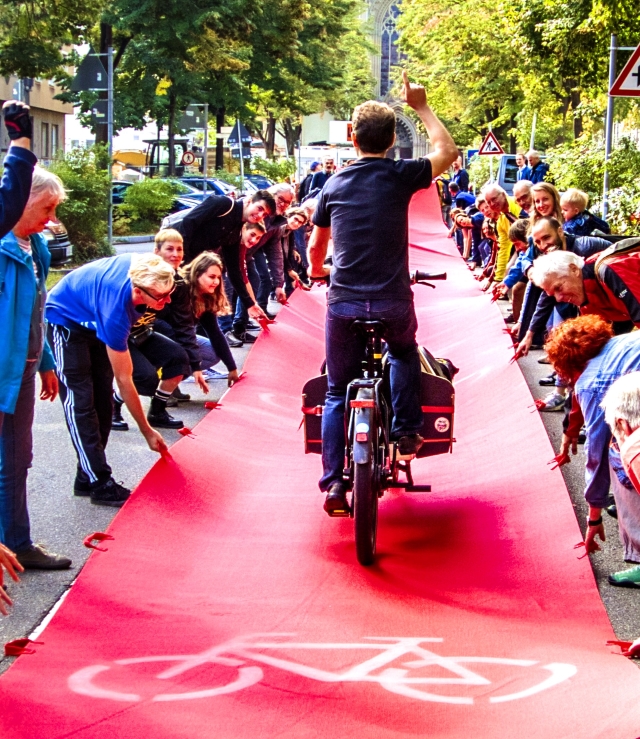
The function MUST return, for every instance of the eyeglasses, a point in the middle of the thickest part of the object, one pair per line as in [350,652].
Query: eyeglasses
[158,299]
[281,200]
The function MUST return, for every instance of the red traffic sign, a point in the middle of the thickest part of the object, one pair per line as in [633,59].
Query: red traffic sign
[188,158]
[627,84]
[490,145]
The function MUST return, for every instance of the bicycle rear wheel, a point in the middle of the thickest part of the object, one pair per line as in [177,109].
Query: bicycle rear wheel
[365,508]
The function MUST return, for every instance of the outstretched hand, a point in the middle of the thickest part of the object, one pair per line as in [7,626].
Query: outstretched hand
[413,95]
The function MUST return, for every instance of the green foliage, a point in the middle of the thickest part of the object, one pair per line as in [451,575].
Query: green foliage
[145,203]
[33,34]
[84,213]
[479,171]
[581,164]
[624,209]
[231,178]
[277,170]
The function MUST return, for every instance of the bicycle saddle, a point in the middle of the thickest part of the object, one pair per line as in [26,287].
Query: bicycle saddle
[378,327]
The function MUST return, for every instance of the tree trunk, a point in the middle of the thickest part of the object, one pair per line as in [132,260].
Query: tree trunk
[172,118]
[577,119]
[291,134]
[219,142]
[269,136]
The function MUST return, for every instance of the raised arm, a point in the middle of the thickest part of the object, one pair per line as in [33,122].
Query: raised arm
[445,151]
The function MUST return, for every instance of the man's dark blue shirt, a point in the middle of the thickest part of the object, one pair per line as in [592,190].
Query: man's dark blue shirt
[366,205]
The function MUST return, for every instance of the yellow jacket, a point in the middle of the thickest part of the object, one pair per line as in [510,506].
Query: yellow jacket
[504,245]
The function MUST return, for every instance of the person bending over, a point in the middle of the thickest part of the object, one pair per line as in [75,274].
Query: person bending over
[90,314]
[364,209]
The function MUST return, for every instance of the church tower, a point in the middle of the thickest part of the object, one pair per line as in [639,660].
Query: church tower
[383,16]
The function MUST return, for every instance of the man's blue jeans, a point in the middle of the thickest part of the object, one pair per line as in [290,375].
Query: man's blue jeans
[345,353]
[16,454]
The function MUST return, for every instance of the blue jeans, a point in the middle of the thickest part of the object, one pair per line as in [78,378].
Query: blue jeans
[345,353]
[208,357]
[16,454]
[262,295]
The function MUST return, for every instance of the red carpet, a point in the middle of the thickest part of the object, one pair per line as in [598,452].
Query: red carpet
[230,606]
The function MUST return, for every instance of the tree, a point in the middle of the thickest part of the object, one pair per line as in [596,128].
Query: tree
[34,34]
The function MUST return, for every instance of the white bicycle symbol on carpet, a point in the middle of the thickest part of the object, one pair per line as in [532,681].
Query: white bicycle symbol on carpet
[236,653]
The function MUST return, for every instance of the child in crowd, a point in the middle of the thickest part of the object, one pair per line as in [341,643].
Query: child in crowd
[516,279]
[577,219]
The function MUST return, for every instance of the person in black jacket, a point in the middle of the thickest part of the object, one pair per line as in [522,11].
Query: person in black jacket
[215,225]
[305,186]
[18,165]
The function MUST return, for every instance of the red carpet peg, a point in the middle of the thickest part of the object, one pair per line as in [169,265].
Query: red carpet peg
[185,431]
[97,536]
[211,405]
[18,647]
[559,460]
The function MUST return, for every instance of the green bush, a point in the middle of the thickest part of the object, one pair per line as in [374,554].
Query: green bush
[84,213]
[277,170]
[231,178]
[147,202]
[581,164]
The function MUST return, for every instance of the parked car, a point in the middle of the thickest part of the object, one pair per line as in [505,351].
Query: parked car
[214,185]
[120,187]
[58,243]
[259,181]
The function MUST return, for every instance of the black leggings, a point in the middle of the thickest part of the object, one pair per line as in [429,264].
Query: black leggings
[157,352]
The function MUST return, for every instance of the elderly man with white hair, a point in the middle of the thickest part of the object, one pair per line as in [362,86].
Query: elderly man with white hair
[24,353]
[610,288]
[522,195]
[537,168]
[508,211]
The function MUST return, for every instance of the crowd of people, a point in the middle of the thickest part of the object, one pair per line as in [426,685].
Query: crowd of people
[574,292]
[128,326]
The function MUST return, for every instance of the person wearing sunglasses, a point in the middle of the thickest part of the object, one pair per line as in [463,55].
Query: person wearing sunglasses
[90,313]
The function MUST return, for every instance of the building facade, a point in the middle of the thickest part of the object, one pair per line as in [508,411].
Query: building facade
[382,17]
[48,114]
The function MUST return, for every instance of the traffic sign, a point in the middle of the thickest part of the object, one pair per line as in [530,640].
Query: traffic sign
[233,136]
[627,84]
[91,74]
[192,118]
[188,158]
[490,145]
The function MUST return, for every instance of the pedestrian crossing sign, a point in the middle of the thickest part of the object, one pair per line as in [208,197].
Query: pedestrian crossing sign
[627,84]
[490,145]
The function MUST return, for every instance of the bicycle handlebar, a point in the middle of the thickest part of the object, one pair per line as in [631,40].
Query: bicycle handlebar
[418,277]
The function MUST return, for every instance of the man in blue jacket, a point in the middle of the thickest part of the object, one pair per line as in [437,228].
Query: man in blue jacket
[537,168]
[24,352]
[18,165]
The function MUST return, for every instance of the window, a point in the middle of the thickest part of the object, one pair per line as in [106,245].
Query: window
[44,140]
[55,139]
[390,57]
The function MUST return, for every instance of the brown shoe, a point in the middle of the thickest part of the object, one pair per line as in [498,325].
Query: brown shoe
[38,558]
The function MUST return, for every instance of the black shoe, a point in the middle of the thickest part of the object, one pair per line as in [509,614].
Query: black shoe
[582,436]
[233,340]
[335,503]
[548,380]
[509,318]
[82,489]
[180,396]
[408,445]
[37,558]
[247,338]
[111,494]
[253,326]
[162,420]
[612,510]
[117,421]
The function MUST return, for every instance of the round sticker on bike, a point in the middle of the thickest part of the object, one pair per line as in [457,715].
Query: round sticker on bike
[442,425]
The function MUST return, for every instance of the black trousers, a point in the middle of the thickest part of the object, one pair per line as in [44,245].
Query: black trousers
[157,352]
[85,379]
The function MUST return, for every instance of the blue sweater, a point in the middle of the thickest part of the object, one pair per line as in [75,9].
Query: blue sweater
[15,186]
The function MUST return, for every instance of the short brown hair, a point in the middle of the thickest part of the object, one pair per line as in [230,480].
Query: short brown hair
[256,226]
[167,234]
[575,342]
[374,126]
[518,230]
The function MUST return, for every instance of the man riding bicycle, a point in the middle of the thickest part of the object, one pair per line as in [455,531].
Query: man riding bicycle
[364,208]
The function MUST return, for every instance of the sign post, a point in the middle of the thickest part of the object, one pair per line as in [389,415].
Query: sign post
[627,84]
[240,140]
[91,76]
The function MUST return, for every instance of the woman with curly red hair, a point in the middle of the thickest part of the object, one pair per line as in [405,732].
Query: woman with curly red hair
[586,354]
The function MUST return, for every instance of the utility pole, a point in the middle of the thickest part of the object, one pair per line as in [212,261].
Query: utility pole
[110,140]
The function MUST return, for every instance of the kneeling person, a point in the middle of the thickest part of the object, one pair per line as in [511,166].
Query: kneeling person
[90,314]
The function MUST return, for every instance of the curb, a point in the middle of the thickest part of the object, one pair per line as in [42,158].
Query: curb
[133,239]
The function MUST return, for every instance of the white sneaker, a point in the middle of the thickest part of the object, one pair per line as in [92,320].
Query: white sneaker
[553,402]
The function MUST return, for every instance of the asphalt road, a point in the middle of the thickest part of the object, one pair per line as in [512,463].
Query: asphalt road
[61,521]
